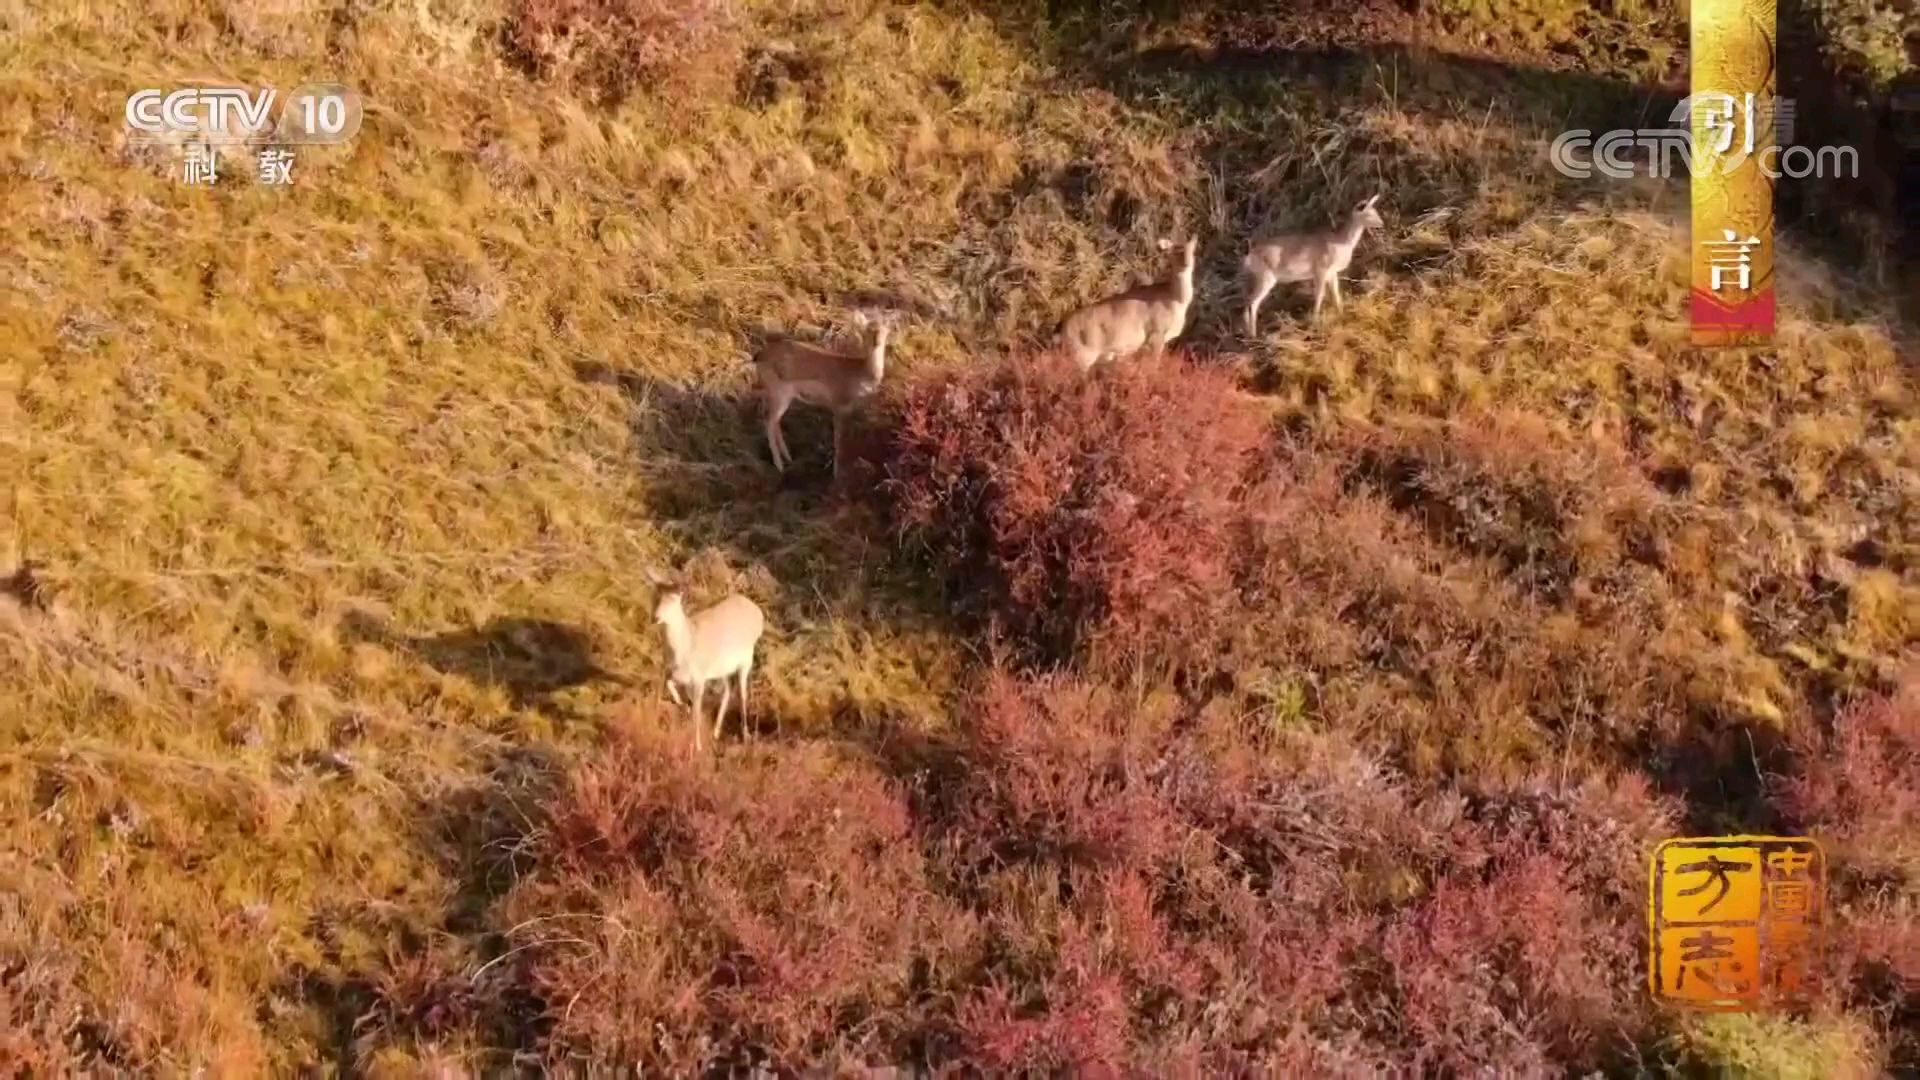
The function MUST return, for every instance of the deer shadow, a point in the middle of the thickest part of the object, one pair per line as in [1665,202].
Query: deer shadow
[704,452]
[532,659]
[1290,136]
[811,550]
[1301,129]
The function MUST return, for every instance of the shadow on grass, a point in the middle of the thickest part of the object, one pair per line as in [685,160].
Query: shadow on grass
[25,587]
[530,658]
[808,549]
[480,832]
[707,470]
[1298,119]
[456,976]
[482,835]
[1866,224]
[929,765]
[1721,771]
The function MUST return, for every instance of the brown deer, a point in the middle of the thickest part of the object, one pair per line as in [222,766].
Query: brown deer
[1318,257]
[837,379]
[1146,316]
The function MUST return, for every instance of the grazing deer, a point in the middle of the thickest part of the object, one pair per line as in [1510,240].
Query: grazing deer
[715,644]
[839,380]
[1316,256]
[1146,316]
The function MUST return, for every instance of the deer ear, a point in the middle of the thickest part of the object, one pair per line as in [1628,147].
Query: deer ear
[1371,199]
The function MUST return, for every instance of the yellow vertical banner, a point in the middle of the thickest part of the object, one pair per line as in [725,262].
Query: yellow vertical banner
[1732,107]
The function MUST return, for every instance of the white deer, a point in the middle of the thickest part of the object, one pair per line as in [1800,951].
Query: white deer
[834,378]
[1318,257]
[1146,316]
[714,644]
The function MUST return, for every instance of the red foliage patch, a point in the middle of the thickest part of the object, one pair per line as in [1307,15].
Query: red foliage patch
[1080,518]
[686,914]
[1858,791]
[1396,632]
[1153,897]
[1081,881]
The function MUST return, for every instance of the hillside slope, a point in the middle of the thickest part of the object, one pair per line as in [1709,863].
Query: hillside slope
[339,498]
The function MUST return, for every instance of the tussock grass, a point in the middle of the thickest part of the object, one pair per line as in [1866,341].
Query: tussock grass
[340,494]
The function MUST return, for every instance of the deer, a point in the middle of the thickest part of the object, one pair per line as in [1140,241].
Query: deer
[1145,316]
[715,644]
[837,379]
[1318,257]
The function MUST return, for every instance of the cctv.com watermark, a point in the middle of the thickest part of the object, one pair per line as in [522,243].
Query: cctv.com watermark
[1738,130]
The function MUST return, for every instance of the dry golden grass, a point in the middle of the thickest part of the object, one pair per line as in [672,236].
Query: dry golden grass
[341,493]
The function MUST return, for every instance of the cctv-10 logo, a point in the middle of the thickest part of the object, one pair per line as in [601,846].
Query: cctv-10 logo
[315,113]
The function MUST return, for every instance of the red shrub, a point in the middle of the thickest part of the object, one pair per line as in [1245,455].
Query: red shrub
[608,48]
[686,914]
[1114,927]
[1081,882]
[1081,518]
[1859,789]
[1473,960]
[1875,954]
[1054,776]
[1153,898]
[1858,792]
[1601,829]
[1524,957]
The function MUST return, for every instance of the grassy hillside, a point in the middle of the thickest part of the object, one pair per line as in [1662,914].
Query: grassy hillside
[331,730]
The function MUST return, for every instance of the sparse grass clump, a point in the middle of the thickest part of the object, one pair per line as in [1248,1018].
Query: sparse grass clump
[1079,519]
[1875,40]
[608,49]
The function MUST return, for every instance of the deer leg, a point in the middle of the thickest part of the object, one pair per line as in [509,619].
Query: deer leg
[699,692]
[786,449]
[1337,302]
[778,399]
[839,436]
[1262,285]
[1319,294]
[746,670]
[720,718]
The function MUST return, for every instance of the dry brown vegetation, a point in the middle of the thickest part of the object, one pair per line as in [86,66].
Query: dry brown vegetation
[1305,705]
